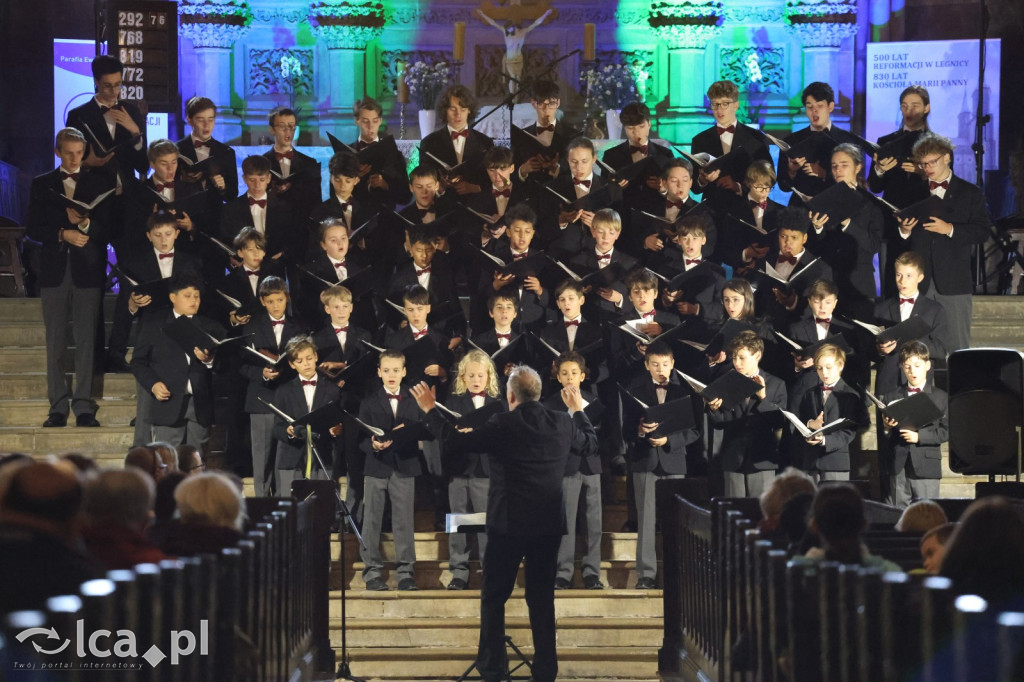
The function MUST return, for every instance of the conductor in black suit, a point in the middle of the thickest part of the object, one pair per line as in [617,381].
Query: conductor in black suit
[529,447]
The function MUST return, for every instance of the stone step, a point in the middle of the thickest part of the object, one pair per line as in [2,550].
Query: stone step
[984,307]
[466,604]
[616,574]
[27,413]
[32,385]
[434,546]
[595,631]
[450,662]
[16,333]
[104,443]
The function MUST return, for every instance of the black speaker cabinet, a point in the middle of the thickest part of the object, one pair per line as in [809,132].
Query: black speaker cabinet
[986,410]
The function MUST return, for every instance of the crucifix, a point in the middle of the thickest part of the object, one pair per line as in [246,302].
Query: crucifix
[511,17]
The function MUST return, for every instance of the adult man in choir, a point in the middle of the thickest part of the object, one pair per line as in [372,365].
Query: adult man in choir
[945,242]
[72,274]
[809,172]
[529,446]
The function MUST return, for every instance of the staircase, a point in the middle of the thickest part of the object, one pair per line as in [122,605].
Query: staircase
[613,634]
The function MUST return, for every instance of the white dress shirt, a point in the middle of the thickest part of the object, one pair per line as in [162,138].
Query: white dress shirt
[259,214]
[459,143]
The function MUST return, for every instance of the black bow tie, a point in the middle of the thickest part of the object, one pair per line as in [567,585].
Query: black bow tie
[338,330]
[462,133]
[827,388]
[585,183]
[641,148]
[425,211]
[262,203]
[274,323]
[501,193]
[572,323]
[104,109]
[546,129]
[762,204]
[290,154]
[310,382]
[200,143]
[251,273]
[395,396]
[482,394]
[907,300]
[161,187]
[664,385]
[723,131]
[913,390]
[932,186]
[783,258]
[673,204]
[504,336]
[64,175]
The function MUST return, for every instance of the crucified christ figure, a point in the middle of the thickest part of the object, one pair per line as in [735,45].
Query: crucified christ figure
[514,39]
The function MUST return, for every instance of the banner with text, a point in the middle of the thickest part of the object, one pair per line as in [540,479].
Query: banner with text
[949,70]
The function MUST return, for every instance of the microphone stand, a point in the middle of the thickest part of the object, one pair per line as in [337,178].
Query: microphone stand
[980,120]
[344,672]
[524,85]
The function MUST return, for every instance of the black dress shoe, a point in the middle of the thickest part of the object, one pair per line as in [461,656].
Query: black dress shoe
[646,584]
[55,419]
[376,585]
[592,582]
[407,585]
[457,584]
[117,364]
[562,584]
[86,420]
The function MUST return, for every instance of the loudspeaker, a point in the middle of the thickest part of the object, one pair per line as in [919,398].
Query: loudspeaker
[986,410]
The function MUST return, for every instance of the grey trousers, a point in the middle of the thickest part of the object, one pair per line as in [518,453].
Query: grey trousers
[958,313]
[262,440]
[283,479]
[83,307]
[402,492]
[906,488]
[143,429]
[572,487]
[466,494]
[748,485]
[646,541]
[186,431]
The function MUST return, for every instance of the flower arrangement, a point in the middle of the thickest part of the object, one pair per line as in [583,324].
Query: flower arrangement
[685,13]
[614,86]
[426,82]
[346,13]
[291,75]
[820,11]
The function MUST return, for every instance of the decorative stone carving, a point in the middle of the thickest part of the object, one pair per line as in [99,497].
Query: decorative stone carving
[389,60]
[265,72]
[279,16]
[771,68]
[214,23]
[820,23]
[350,24]
[756,15]
[489,60]
[686,24]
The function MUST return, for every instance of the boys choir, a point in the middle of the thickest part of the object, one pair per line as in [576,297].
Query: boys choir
[698,317]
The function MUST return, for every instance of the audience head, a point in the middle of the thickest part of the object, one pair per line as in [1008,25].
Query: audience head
[148,460]
[985,555]
[190,459]
[8,465]
[524,386]
[838,518]
[933,547]
[121,498]
[165,451]
[784,487]
[921,516]
[45,498]
[83,466]
[164,506]
[210,498]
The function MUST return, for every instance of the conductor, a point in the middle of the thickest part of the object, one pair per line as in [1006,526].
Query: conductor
[528,446]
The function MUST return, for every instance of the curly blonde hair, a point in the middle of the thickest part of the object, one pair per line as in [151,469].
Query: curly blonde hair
[477,355]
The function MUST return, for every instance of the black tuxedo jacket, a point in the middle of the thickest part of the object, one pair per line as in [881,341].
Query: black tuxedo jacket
[331,208]
[709,298]
[402,339]
[375,410]
[528,448]
[947,260]
[488,341]
[141,202]
[887,313]
[622,352]
[440,286]
[145,267]
[127,160]
[710,142]
[619,157]
[466,463]
[226,161]
[732,241]
[589,464]
[844,403]
[236,285]
[304,194]
[802,181]
[574,237]
[634,235]
[748,429]
[669,458]
[282,232]
[925,454]
[439,143]
[858,365]
[897,186]
[392,169]
[587,333]
[585,262]
[768,306]
[563,134]
[850,252]
[534,310]
[329,348]
[291,399]
[263,338]
[47,217]
[159,358]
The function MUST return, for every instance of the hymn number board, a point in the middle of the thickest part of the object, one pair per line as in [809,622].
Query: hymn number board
[144,36]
